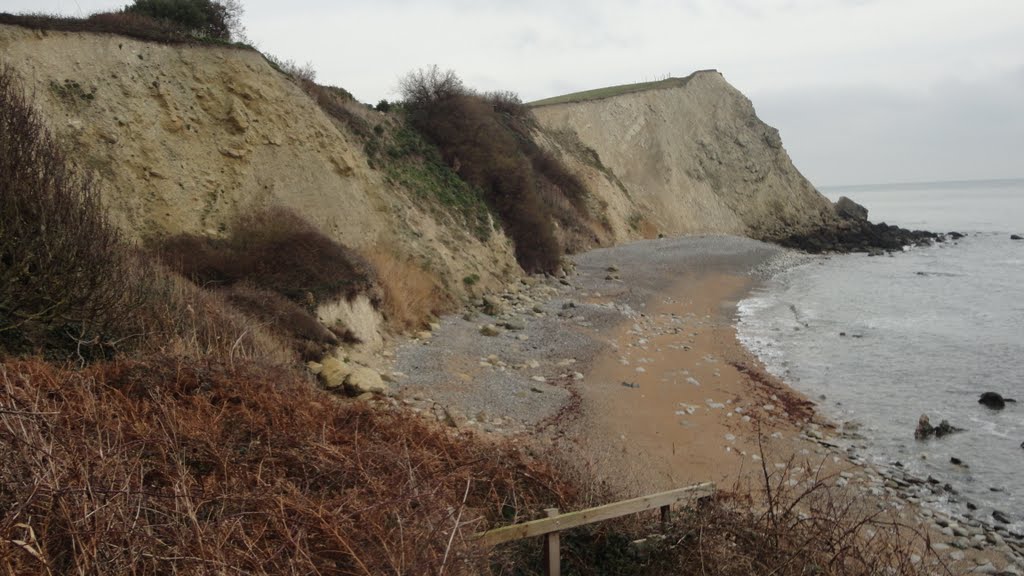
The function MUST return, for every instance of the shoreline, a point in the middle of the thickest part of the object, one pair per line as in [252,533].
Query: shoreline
[632,367]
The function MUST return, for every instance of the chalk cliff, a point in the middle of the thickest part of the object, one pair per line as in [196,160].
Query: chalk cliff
[692,157]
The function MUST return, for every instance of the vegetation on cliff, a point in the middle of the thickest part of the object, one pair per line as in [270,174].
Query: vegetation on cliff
[169,21]
[486,139]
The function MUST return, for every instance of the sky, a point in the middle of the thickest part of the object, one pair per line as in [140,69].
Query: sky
[862,91]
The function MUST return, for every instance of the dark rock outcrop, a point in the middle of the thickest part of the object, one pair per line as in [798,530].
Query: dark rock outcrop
[926,430]
[994,400]
[1016,237]
[849,210]
[859,236]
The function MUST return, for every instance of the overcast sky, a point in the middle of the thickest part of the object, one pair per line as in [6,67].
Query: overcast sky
[863,91]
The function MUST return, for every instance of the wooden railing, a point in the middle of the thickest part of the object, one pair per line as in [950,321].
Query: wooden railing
[555,522]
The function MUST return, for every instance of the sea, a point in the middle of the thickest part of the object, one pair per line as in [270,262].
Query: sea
[926,332]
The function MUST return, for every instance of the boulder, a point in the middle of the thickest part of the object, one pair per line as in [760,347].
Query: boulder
[955,235]
[333,373]
[992,400]
[850,210]
[1016,237]
[362,380]
[490,330]
[945,428]
[1000,517]
[492,306]
[514,324]
[926,430]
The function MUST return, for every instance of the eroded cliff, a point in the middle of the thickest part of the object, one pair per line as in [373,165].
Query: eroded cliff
[689,156]
[184,138]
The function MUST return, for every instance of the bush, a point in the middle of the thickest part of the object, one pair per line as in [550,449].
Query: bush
[383,106]
[410,294]
[273,249]
[159,466]
[201,18]
[66,278]
[285,318]
[180,318]
[487,140]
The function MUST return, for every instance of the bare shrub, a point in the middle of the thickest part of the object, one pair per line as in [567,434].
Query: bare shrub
[427,86]
[300,73]
[160,466]
[180,318]
[64,271]
[794,521]
[488,141]
[131,24]
[410,294]
[274,249]
[283,317]
[508,102]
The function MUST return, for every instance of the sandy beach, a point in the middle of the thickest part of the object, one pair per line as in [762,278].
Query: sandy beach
[631,366]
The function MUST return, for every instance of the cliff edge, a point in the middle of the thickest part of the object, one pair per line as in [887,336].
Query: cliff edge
[692,157]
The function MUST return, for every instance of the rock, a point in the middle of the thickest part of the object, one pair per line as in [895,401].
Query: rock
[314,367]
[1000,517]
[424,335]
[957,462]
[490,330]
[630,384]
[945,428]
[992,400]
[362,380]
[333,373]
[955,235]
[924,428]
[1016,237]
[492,306]
[514,324]
[850,210]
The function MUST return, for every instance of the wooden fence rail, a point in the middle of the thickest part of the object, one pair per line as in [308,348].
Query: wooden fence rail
[556,522]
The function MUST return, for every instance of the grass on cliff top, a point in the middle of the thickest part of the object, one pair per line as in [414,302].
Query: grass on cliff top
[132,25]
[610,91]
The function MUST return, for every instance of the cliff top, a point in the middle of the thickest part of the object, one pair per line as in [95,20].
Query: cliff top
[611,91]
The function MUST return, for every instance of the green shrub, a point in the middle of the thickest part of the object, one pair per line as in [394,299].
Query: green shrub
[383,106]
[202,18]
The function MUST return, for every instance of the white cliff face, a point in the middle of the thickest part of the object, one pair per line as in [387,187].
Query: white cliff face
[693,158]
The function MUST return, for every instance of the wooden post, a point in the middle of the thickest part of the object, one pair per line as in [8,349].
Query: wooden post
[666,515]
[552,551]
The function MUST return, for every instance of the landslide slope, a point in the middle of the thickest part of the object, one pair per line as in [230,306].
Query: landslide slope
[184,138]
[691,156]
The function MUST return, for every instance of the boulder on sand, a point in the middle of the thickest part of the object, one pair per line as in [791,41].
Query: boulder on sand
[1016,237]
